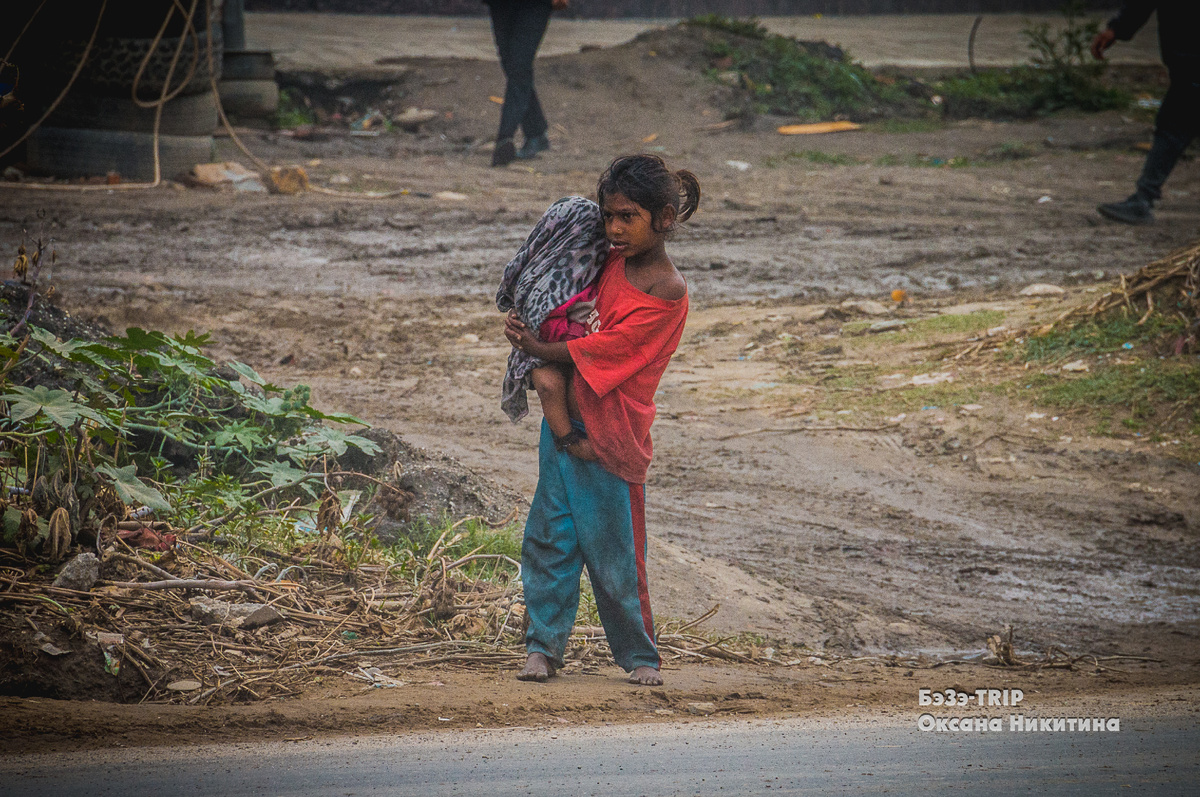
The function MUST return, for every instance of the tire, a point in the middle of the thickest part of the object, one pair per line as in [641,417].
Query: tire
[194,115]
[113,64]
[248,65]
[64,152]
[251,99]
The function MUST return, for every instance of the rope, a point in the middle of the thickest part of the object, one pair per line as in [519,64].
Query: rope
[21,35]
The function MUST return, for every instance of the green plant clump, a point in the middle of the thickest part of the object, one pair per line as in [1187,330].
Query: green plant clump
[149,418]
[784,76]
[293,111]
[1101,336]
[1061,75]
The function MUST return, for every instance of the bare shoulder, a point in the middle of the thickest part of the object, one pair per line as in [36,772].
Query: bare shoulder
[670,286]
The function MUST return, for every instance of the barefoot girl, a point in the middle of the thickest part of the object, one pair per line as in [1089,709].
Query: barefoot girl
[589,506]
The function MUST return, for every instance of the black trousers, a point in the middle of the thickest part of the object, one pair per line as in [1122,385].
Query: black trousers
[1177,123]
[518,27]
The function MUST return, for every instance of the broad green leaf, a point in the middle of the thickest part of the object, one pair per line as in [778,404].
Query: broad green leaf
[134,491]
[12,524]
[246,371]
[337,441]
[336,417]
[242,434]
[281,473]
[58,406]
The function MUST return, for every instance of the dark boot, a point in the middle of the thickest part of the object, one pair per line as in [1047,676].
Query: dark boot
[1134,209]
[504,153]
[533,146]
[1137,207]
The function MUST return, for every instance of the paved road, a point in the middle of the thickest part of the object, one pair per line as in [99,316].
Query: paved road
[344,41]
[1149,756]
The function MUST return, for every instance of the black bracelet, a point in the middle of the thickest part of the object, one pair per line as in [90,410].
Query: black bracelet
[569,439]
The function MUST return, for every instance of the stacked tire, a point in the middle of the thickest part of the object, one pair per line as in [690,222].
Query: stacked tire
[248,89]
[98,129]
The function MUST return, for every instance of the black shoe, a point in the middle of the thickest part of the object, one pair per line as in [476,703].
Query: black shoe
[533,146]
[1132,210]
[504,153]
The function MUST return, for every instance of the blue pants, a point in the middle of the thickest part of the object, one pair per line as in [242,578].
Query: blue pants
[584,515]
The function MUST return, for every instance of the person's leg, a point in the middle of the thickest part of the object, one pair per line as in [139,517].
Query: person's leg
[551,564]
[504,20]
[524,32]
[1177,123]
[551,385]
[611,527]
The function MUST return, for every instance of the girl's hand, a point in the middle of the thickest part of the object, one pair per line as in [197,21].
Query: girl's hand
[583,450]
[517,333]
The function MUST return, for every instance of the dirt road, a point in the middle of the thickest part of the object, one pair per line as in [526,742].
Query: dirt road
[344,41]
[924,536]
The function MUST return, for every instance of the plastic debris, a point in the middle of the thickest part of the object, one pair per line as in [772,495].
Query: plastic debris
[818,127]
[412,119]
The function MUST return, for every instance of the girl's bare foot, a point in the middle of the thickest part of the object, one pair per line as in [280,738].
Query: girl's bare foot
[646,676]
[583,450]
[537,668]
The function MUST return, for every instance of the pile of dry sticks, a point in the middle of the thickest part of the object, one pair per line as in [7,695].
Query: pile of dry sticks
[1168,285]
[195,626]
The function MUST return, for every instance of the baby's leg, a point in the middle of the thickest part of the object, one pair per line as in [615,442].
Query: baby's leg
[551,385]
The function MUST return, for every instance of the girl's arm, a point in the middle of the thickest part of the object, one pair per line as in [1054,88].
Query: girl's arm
[524,340]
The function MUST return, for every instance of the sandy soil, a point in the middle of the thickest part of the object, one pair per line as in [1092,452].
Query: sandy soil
[850,542]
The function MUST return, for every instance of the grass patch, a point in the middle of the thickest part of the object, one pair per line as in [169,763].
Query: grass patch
[1135,386]
[1061,74]
[966,324]
[1100,336]
[473,536]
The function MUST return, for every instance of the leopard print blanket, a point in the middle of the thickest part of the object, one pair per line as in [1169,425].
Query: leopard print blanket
[560,258]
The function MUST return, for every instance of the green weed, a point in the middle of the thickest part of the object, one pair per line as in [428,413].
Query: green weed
[966,324]
[1061,74]
[1096,337]
[1135,386]
[781,75]
[293,111]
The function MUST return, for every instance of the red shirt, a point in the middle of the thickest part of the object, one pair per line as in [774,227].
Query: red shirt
[621,364]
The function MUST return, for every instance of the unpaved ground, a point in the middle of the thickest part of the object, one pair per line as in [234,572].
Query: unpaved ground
[855,542]
[352,41]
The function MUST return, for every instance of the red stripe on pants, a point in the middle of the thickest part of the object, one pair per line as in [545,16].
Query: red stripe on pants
[637,507]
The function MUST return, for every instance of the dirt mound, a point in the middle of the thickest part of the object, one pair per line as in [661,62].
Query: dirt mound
[440,485]
[697,70]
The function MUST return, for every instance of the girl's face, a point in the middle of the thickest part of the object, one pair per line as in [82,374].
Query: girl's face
[629,226]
